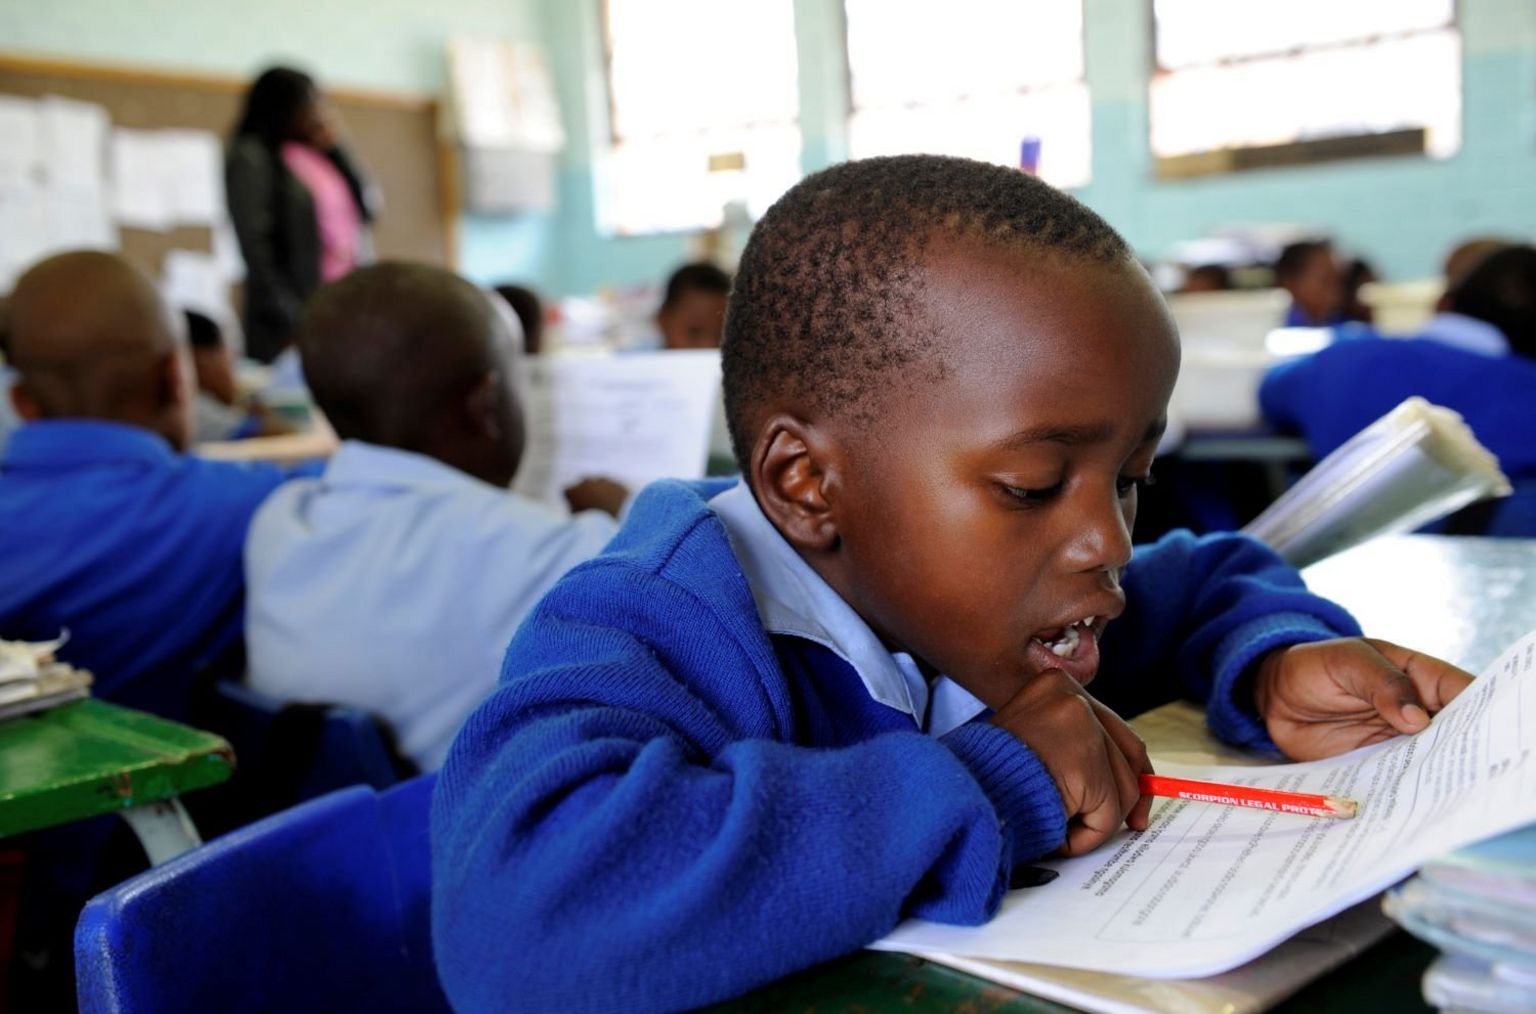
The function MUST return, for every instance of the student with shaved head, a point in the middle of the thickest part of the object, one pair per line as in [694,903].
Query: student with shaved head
[394,582]
[107,529]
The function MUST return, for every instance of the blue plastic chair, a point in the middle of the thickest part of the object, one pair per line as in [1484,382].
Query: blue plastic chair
[325,906]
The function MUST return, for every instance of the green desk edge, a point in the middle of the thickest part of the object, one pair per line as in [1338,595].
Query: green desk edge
[90,757]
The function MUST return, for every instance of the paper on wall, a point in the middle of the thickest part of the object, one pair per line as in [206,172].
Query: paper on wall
[165,178]
[632,418]
[19,145]
[1206,888]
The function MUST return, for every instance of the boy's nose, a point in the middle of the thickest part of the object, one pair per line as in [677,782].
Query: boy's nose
[1102,540]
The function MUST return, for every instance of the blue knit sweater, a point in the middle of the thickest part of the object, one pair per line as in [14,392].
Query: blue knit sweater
[663,806]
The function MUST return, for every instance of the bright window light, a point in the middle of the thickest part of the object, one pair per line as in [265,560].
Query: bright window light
[703,106]
[1236,75]
[971,77]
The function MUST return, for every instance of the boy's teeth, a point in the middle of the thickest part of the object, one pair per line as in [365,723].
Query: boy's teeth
[1066,645]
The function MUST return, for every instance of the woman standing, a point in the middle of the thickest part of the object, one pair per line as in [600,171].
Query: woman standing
[299,204]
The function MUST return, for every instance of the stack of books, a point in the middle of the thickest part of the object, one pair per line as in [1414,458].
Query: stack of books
[1414,465]
[1478,905]
[32,679]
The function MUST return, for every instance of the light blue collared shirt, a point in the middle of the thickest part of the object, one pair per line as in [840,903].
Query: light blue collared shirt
[394,583]
[1466,333]
[793,599]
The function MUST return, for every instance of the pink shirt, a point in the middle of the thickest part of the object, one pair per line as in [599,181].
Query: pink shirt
[336,216]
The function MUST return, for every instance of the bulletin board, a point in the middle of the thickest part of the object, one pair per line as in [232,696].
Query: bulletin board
[396,137]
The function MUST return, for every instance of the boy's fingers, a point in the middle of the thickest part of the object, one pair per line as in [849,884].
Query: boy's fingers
[1132,753]
[1370,677]
[1438,682]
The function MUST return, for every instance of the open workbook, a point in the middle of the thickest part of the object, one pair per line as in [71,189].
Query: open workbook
[1206,888]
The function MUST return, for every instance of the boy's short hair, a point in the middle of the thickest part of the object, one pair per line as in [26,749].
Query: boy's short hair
[825,303]
[700,276]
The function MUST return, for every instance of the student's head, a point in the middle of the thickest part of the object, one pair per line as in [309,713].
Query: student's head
[211,359]
[92,339]
[1464,256]
[1310,271]
[283,104]
[1207,278]
[417,358]
[1501,289]
[692,313]
[942,380]
[530,314]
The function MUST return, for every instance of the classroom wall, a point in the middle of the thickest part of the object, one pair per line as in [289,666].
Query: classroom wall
[386,45]
[1401,213]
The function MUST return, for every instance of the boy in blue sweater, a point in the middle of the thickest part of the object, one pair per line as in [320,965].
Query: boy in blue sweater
[776,717]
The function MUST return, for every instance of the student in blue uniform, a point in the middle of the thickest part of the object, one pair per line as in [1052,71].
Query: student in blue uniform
[775,717]
[1478,357]
[1310,271]
[107,529]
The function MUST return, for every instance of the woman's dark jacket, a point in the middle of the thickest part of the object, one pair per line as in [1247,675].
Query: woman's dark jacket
[274,218]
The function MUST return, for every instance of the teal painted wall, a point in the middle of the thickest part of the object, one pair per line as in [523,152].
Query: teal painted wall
[1401,213]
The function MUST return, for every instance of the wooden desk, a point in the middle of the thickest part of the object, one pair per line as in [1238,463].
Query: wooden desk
[1464,599]
[90,757]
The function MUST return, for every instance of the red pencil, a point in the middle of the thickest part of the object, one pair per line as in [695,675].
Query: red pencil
[1247,795]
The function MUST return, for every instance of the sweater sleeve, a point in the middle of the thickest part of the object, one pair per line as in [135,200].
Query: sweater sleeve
[620,817]
[1204,611]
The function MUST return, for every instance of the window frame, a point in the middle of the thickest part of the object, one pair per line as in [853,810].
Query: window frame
[1082,80]
[1402,143]
[613,140]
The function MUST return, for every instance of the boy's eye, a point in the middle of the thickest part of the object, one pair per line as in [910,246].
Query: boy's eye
[1030,497]
[1126,483]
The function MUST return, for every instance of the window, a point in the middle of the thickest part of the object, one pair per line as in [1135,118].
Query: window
[703,109]
[1304,75]
[980,78]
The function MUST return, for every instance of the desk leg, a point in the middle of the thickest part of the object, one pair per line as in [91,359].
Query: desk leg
[163,828]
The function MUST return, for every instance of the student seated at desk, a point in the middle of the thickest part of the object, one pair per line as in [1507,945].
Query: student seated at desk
[692,312]
[221,412]
[777,716]
[1477,357]
[395,580]
[1310,271]
[106,528]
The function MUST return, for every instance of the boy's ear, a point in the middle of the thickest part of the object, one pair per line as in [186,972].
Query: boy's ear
[793,474]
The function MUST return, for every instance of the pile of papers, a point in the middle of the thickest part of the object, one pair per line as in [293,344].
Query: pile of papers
[1479,906]
[1414,465]
[31,679]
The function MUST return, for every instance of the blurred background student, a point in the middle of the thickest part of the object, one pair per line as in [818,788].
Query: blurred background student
[221,410]
[692,314]
[1310,271]
[299,203]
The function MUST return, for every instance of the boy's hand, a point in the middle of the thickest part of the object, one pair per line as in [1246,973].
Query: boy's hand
[1092,754]
[1329,697]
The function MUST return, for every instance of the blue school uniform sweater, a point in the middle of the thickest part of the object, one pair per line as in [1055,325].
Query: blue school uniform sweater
[663,806]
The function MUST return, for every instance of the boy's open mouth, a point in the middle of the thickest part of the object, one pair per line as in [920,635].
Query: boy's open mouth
[1074,649]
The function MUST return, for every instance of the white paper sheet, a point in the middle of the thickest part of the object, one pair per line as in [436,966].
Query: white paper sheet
[72,143]
[165,178]
[1206,887]
[19,144]
[631,418]
[195,281]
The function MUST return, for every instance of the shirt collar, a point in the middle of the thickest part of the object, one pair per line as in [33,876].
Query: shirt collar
[793,599]
[61,444]
[356,463]
[1466,333]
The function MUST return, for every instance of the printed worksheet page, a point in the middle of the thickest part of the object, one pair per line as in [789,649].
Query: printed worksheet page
[1207,887]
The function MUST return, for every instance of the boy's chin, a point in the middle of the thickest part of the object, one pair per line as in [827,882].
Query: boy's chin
[1082,665]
